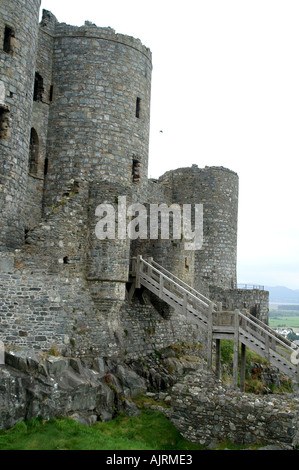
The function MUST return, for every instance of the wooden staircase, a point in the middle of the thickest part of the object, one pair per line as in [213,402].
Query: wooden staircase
[239,326]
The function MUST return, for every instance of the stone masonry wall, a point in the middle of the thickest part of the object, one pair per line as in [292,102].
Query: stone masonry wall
[256,301]
[205,411]
[50,311]
[107,264]
[47,298]
[217,189]
[39,122]
[17,66]
[95,130]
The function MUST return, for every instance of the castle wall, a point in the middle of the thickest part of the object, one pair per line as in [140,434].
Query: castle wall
[56,310]
[74,117]
[217,189]
[107,265]
[18,44]
[57,245]
[99,120]
[40,115]
[169,253]
[206,411]
[256,301]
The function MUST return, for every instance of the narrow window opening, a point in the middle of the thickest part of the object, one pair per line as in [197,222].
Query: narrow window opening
[66,260]
[26,235]
[51,93]
[38,88]
[4,123]
[7,43]
[33,153]
[136,171]
[75,187]
[46,166]
[138,107]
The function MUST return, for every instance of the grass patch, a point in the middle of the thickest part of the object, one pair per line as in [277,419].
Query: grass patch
[150,431]
[284,319]
[252,382]
[227,353]
[226,444]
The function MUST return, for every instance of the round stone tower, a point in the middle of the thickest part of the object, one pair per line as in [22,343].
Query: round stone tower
[18,43]
[217,189]
[100,113]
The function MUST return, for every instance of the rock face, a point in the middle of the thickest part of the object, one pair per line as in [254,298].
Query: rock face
[33,385]
[202,408]
[162,371]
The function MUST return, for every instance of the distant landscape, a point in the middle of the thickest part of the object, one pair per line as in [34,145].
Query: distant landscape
[280,295]
[283,308]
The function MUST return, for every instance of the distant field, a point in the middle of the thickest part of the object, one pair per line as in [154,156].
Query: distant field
[284,319]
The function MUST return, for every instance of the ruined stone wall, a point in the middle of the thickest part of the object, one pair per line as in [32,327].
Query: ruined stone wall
[205,411]
[18,45]
[169,253]
[99,120]
[216,188]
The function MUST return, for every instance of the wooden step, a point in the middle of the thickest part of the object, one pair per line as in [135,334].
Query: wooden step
[195,307]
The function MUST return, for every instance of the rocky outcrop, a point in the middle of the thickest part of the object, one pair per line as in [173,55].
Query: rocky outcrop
[168,366]
[33,385]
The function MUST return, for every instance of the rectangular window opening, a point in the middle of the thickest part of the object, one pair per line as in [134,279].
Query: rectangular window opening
[46,166]
[4,123]
[138,107]
[38,88]
[7,43]
[51,93]
[136,171]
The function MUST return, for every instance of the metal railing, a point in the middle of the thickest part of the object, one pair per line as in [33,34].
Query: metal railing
[251,286]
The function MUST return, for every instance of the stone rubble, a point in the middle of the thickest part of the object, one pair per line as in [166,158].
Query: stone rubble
[204,410]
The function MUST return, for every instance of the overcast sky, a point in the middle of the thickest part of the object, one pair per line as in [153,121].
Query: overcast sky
[225,92]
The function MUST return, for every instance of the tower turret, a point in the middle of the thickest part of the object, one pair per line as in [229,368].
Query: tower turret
[99,118]
[18,43]
[216,188]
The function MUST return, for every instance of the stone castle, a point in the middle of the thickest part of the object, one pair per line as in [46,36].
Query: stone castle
[74,133]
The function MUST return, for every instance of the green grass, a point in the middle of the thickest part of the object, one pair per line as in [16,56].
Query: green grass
[252,382]
[227,352]
[150,431]
[284,322]
[284,319]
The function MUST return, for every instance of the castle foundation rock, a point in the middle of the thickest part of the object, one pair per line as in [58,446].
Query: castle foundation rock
[33,385]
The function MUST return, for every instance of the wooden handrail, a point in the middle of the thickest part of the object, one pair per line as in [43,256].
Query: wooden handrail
[270,330]
[180,295]
[268,333]
[206,304]
[179,281]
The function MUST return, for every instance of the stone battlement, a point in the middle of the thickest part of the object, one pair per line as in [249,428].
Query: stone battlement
[92,31]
